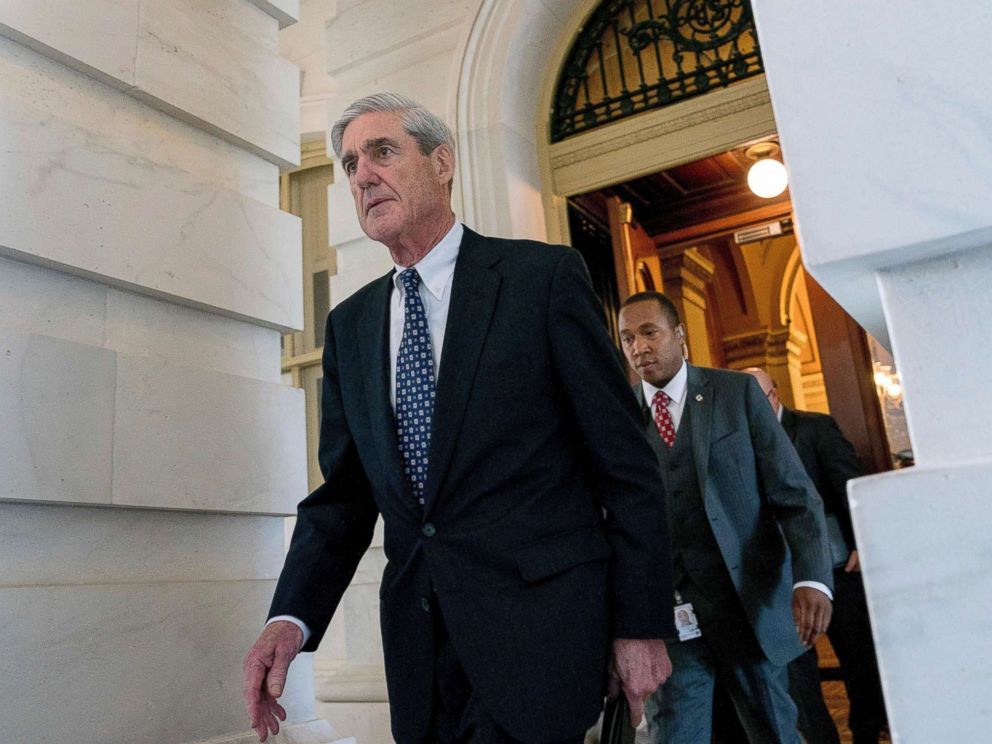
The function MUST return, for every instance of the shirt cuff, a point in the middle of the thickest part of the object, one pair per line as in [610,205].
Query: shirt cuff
[299,624]
[811,584]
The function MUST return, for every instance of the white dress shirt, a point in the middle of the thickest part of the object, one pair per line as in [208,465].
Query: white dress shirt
[676,389]
[437,271]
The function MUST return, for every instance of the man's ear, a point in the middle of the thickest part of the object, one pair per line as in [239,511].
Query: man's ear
[680,331]
[443,160]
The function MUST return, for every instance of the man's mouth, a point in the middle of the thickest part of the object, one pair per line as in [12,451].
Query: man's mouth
[375,202]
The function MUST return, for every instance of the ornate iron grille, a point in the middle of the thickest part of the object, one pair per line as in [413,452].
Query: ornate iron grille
[636,55]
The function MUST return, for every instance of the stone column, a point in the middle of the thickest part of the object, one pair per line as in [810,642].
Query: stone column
[685,275]
[885,132]
[148,453]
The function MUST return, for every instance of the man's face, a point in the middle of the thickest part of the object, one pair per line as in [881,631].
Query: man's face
[653,347]
[767,386]
[398,191]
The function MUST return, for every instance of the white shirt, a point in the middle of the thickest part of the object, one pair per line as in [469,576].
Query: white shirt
[437,271]
[676,389]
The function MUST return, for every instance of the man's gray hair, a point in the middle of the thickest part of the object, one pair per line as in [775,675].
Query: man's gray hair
[425,127]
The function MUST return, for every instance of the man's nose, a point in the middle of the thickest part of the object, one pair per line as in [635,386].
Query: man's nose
[365,174]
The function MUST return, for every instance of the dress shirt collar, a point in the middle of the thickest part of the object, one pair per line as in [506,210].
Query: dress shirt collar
[438,265]
[779,412]
[675,389]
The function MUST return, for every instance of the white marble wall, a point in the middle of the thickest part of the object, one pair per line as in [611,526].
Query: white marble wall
[149,452]
[243,92]
[141,217]
[889,156]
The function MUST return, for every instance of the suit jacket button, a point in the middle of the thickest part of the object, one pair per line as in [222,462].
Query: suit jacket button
[428,530]
[425,604]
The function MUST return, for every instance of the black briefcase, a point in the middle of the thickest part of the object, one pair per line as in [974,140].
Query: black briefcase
[616,723]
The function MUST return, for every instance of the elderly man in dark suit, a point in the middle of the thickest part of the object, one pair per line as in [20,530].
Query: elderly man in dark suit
[831,461]
[473,399]
[751,566]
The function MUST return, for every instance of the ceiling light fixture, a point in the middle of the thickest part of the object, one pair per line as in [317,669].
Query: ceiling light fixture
[767,177]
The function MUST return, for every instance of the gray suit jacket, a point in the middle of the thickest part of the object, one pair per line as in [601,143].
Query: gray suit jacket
[764,510]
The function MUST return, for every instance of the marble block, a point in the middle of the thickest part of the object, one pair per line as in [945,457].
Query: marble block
[287,12]
[100,33]
[395,25]
[343,226]
[923,302]
[96,545]
[358,262]
[43,103]
[186,438]
[153,328]
[148,228]
[887,148]
[140,663]
[43,302]
[57,409]
[47,302]
[367,722]
[217,64]
[925,550]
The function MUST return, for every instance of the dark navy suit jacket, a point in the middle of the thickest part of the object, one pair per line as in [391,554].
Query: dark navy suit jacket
[535,434]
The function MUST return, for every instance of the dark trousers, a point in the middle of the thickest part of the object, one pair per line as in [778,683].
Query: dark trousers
[457,717]
[850,635]
[815,722]
[681,711]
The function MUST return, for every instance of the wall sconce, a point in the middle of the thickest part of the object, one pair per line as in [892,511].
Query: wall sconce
[766,177]
[887,383]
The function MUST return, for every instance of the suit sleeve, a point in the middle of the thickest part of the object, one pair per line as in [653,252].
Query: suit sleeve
[789,490]
[624,470]
[334,524]
[839,463]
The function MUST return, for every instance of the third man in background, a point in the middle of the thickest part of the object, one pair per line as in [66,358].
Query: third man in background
[831,461]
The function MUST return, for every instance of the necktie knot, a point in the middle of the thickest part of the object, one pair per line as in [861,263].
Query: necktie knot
[410,279]
[661,398]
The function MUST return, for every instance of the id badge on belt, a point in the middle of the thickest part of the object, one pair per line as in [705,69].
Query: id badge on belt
[685,620]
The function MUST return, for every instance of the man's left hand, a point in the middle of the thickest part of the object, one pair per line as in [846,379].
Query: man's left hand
[853,562]
[640,666]
[811,609]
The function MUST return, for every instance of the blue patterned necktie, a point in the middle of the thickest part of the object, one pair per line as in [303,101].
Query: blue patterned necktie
[414,386]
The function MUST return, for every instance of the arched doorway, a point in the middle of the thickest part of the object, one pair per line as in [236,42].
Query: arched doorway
[508,88]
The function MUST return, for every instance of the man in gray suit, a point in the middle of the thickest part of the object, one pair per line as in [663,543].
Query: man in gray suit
[752,568]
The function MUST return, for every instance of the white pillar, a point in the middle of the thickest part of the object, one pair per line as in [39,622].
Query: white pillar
[883,114]
[148,452]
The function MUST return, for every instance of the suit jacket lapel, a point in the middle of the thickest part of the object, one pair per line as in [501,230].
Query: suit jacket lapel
[374,325]
[473,298]
[699,407]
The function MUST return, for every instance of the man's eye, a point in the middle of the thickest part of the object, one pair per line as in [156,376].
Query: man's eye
[384,151]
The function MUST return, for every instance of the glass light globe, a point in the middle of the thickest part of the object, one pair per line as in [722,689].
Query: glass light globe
[767,178]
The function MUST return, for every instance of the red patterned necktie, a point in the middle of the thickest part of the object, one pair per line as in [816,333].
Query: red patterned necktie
[663,418]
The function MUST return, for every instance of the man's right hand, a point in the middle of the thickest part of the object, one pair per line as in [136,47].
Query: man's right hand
[265,669]
[639,667]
